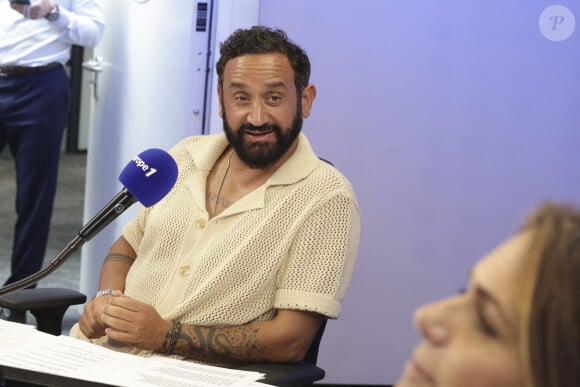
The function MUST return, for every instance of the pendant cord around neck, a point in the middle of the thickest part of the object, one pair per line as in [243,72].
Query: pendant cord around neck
[219,191]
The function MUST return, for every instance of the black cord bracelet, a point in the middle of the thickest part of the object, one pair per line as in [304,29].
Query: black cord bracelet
[171,338]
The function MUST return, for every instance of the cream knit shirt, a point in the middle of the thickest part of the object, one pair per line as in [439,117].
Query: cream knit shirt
[290,244]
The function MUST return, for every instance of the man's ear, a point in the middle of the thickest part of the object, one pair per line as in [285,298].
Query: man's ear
[308,95]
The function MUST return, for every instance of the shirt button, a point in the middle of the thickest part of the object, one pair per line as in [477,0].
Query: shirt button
[200,223]
[184,270]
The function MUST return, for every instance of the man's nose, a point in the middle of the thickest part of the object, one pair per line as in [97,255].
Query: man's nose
[257,114]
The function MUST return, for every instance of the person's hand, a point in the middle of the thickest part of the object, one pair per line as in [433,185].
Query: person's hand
[133,322]
[90,322]
[36,10]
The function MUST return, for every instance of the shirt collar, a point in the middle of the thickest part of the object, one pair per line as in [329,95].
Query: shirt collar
[297,167]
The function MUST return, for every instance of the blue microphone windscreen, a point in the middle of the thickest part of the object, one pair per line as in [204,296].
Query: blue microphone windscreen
[150,176]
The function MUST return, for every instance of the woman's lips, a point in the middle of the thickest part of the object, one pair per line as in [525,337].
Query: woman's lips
[419,370]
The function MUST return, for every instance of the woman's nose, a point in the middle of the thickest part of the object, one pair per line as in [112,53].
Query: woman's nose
[432,323]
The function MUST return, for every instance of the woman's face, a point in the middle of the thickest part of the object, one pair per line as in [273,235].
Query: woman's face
[472,339]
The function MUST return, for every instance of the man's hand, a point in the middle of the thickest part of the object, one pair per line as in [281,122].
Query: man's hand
[90,322]
[36,10]
[134,322]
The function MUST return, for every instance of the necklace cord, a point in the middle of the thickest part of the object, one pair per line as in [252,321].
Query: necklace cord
[219,191]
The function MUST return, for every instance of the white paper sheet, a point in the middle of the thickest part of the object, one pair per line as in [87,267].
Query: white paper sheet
[22,346]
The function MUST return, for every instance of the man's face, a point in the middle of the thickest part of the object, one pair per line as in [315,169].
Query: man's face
[261,109]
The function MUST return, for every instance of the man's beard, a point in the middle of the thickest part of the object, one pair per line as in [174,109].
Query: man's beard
[260,155]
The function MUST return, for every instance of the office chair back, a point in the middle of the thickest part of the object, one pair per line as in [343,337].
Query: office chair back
[312,354]
[304,373]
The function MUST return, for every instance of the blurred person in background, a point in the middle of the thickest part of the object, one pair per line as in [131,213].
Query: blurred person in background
[35,43]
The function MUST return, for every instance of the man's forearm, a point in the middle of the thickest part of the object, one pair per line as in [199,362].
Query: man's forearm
[286,338]
[239,344]
[116,265]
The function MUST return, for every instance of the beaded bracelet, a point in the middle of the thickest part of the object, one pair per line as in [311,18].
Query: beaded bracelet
[171,338]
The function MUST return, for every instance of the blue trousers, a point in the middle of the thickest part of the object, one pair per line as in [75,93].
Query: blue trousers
[33,114]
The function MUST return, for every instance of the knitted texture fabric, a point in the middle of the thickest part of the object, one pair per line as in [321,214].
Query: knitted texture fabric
[290,244]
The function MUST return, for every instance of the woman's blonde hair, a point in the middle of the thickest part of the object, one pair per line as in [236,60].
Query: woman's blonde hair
[549,303]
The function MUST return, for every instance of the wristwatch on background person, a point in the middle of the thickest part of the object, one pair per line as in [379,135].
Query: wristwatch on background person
[53,14]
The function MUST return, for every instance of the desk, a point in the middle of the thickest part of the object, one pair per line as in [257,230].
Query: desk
[35,378]
[25,378]
[275,374]
[37,358]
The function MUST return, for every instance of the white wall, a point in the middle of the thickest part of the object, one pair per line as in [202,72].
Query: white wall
[452,119]
[152,82]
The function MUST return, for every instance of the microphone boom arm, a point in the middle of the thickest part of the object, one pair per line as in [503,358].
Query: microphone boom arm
[111,211]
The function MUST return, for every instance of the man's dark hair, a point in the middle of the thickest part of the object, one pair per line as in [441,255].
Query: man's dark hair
[264,40]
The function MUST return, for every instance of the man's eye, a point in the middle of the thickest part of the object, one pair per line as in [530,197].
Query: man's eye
[274,99]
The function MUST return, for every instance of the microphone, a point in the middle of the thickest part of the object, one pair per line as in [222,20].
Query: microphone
[147,178]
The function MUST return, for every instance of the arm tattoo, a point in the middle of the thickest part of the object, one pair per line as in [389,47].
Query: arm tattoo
[120,257]
[219,345]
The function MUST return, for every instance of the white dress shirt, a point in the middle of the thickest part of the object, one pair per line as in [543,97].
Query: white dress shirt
[31,43]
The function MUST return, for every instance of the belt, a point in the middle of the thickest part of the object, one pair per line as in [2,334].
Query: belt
[14,71]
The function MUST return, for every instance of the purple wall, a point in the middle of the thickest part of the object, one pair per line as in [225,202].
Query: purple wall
[452,119]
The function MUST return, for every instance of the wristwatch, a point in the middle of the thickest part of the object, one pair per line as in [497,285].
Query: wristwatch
[53,14]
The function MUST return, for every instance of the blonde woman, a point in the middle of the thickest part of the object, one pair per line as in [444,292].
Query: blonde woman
[518,322]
